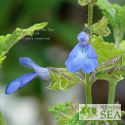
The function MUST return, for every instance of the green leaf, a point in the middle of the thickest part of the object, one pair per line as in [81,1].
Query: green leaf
[105,51]
[122,113]
[87,122]
[6,42]
[109,76]
[109,70]
[111,64]
[68,113]
[120,18]
[75,120]
[68,80]
[122,46]
[83,2]
[58,107]
[100,28]
[63,79]
[122,71]
[115,16]
[109,12]
[109,67]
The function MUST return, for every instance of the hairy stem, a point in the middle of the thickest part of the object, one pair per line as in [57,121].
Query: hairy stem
[90,13]
[88,90]
[2,121]
[112,88]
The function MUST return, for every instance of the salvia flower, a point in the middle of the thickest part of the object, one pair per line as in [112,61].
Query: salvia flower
[21,81]
[82,56]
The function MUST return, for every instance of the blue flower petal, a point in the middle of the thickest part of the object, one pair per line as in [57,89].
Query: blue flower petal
[27,78]
[73,53]
[18,82]
[27,62]
[89,65]
[43,73]
[73,65]
[91,54]
[13,86]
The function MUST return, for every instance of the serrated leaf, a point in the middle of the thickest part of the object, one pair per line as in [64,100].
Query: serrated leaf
[100,28]
[109,12]
[68,114]
[115,16]
[6,42]
[120,11]
[104,50]
[63,79]
[83,2]
[58,107]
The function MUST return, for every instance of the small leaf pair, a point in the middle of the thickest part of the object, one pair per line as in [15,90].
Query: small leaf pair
[100,28]
[109,70]
[62,79]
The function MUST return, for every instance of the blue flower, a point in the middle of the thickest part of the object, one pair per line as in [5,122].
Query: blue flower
[21,81]
[82,56]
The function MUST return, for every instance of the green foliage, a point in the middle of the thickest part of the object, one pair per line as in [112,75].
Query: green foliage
[109,12]
[88,122]
[110,70]
[75,120]
[109,76]
[83,2]
[122,71]
[67,114]
[6,42]
[109,64]
[115,16]
[101,28]
[104,50]
[62,79]
[58,107]
[122,46]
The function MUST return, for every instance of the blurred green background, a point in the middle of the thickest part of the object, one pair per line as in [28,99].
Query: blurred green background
[66,19]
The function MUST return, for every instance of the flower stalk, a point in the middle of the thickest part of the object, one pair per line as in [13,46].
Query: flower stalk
[88,90]
[112,88]
[88,85]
